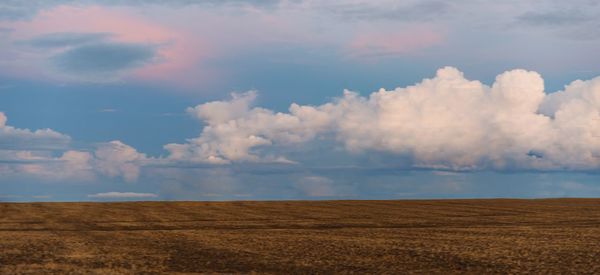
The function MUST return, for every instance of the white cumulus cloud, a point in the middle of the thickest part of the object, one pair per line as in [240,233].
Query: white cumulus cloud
[446,122]
[70,165]
[15,138]
[116,158]
[45,154]
[112,159]
[234,129]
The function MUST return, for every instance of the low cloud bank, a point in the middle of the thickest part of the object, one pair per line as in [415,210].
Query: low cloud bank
[122,195]
[46,154]
[15,138]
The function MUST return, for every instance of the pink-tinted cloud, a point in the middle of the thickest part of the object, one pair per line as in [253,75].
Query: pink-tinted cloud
[127,27]
[184,41]
[176,51]
[375,44]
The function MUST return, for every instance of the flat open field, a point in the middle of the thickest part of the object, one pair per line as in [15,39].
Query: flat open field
[428,236]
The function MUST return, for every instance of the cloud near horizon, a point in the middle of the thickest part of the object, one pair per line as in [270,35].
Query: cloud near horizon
[442,123]
[15,138]
[447,122]
[122,195]
[47,154]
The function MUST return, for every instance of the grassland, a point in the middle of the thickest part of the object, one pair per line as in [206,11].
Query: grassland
[428,236]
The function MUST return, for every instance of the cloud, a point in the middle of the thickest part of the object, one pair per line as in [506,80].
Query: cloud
[104,59]
[576,21]
[234,129]
[554,18]
[14,10]
[18,10]
[118,159]
[4,31]
[15,138]
[112,159]
[71,165]
[94,44]
[446,173]
[372,10]
[66,39]
[447,122]
[373,44]
[46,154]
[122,195]
[27,152]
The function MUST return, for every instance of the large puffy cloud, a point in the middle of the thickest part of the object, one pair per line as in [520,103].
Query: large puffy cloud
[234,129]
[116,158]
[446,122]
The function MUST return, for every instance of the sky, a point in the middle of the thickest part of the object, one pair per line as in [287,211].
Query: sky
[107,100]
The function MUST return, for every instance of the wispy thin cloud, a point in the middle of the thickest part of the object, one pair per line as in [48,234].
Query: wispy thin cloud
[122,195]
[65,39]
[104,59]
[554,18]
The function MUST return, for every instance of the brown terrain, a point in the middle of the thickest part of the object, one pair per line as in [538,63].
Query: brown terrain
[309,237]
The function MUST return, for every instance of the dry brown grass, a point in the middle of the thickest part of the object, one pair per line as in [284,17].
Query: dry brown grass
[462,236]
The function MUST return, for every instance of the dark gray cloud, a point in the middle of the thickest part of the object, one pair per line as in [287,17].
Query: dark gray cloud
[259,3]
[65,39]
[104,58]
[18,9]
[576,23]
[5,30]
[421,11]
[554,18]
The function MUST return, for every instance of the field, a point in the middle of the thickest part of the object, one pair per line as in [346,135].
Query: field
[309,237]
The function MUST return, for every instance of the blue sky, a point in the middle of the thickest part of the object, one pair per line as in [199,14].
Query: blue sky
[241,100]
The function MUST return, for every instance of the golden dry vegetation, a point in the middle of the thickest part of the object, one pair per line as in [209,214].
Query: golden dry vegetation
[310,237]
